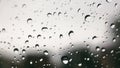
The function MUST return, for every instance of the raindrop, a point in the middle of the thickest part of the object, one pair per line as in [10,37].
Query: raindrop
[23,51]
[114,39]
[112,25]
[104,57]
[44,45]
[41,59]
[99,5]
[70,32]
[29,36]
[87,59]
[78,10]
[64,59]
[28,47]
[117,35]
[31,62]
[26,41]
[97,48]
[14,57]
[12,67]
[29,20]
[54,13]
[59,13]
[38,36]
[45,52]
[44,28]
[80,64]
[116,4]
[108,1]
[86,17]
[61,35]
[88,46]
[117,29]
[111,51]
[23,5]
[50,37]
[36,45]
[103,49]
[72,45]
[3,29]
[23,57]
[94,37]
[76,52]
[70,60]
[16,50]
[49,14]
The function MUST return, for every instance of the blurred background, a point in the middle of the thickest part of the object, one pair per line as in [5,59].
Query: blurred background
[59,34]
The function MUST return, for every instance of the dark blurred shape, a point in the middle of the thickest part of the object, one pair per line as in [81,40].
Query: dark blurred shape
[30,61]
[37,61]
[81,58]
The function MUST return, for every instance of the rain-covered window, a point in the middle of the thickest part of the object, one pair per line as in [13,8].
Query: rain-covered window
[59,33]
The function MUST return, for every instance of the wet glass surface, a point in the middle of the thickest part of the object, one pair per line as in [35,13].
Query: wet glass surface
[59,34]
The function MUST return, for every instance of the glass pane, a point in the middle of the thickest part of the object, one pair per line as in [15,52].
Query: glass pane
[59,34]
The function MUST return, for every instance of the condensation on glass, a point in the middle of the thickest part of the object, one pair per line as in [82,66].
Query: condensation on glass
[59,34]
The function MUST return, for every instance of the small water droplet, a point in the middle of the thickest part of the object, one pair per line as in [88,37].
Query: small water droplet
[29,36]
[41,59]
[94,37]
[45,52]
[23,51]
[108,1]
[72,45]
[117,29]
[59,13]
[111,51]
[97,48]
[31,62]
[112,25]
[23,57]
[86,17]
[44,45]
[70,60]
[54,13]
[49,14]
[50,37]
[80,64]
[16,50]
[87,59]
[78,10]
[26,41]
[61,35]
[29,20]
[104,57]
[116,4]
[44,28]
[114,39]
[88,46]
[99,5]
[70,32]
[37,45]
[12,67]
[3,29]
[38,36]
[64,59]
[117,36]
[14,57]
[103,49]
[24,5]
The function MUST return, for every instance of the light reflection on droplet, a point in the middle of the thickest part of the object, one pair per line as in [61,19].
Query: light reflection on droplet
[45,52]
[64,59]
